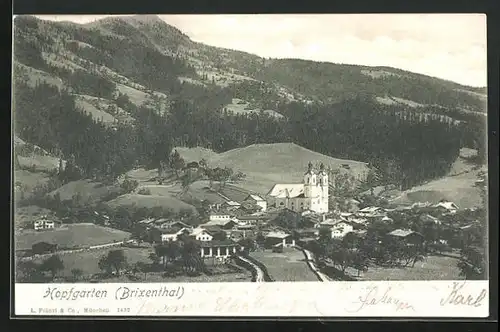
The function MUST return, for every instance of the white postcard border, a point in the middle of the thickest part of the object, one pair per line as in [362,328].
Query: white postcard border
[465,299]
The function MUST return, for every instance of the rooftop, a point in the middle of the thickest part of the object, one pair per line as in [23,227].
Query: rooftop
[403,232]
[286,190]
[217,243]
[255,198]
[278,235]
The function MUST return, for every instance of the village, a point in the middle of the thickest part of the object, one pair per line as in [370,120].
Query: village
[289,234]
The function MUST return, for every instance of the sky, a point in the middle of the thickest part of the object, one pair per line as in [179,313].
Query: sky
[448,46]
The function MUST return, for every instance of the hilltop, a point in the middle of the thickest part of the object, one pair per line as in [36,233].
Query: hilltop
[267,164]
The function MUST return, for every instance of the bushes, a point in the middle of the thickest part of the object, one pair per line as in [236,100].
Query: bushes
[129,185]
[144,191]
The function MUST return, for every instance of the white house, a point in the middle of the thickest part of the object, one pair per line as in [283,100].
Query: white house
[312,194]
[257,200]
[172,234]
[43,223]
[340,229]
[219,217]
[38,224]
[218,249]
[49,224]
[447,206]
[276,237]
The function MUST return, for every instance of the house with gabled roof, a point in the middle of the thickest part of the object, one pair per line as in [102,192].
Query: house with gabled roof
[446,206]
[257,200]
[277,237]
[407,236]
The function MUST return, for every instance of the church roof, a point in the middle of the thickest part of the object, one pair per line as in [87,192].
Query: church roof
[286,190]
[255,198]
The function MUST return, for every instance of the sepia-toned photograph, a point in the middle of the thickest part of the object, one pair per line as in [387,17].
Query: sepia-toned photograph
[249,148]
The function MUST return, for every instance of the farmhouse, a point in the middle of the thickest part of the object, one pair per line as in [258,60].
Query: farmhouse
[428,219]
[445,206]
[43,224]
[171,234]
[273,238]
[340,229]
[175,224]
[215,248]
[201,234]
[407,236]
[230,205]
[370,210]
[223,224]
[312,194]
[257,200]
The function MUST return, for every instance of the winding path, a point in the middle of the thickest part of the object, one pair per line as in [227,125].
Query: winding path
[260,274]
[310,262]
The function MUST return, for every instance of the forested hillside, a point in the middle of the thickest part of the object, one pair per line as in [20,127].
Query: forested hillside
[158,89]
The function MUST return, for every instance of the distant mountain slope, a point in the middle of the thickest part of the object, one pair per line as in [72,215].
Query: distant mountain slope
[119,45]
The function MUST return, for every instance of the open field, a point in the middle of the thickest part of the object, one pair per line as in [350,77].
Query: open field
[136,96]
[239,106]
[459,189]
[290,265]
[433,268]
[88,262]
[150,201]
[74,235]
[39,163]
[88,190]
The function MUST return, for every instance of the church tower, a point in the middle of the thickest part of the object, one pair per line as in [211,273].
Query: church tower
[323,188]
[310,182]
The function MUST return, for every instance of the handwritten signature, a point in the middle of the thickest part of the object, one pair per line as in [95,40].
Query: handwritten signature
[377,297]
[459,297]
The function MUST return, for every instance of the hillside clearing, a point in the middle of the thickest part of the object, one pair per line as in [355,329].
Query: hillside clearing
[459,189]
[38,163]
[150,201]
[195,154]
[87,190]
[96,113]
[73,235]
[29,180]
[239,106]
[136,96]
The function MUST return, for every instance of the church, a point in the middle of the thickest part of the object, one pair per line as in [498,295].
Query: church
[312,194]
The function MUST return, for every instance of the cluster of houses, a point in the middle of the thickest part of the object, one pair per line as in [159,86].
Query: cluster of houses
[229,221]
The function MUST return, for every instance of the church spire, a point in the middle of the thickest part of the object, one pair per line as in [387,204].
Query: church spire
[310,168]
